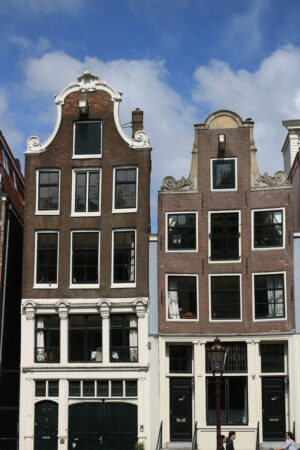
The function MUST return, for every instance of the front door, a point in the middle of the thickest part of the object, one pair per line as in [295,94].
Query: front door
[45,425]
[102,426]
[180,409]
[273,405]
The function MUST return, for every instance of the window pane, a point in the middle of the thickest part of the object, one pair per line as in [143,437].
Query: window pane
[102,388]
[85,258]
[47,339]
[46,271]
[180,358]
[182,297]
[87,138]
[131,388]
[48,190]
[236,360]
[182,231]
[225,297]
[269,296]
[74,388]
[117,388]
[125,188]
[268,229]
[88,388]
[85,338]
[124,257]
[123,338]
[224,174]
[272,357]
[53,389]
[40,388]
[224,236]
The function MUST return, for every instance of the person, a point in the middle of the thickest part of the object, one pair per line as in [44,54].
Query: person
[223,440]
[290,445]
[229,440]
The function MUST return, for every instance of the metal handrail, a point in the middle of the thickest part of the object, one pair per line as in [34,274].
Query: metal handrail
[159,439]
[257,437]
[195,440]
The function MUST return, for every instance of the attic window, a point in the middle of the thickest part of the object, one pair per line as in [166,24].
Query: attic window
[87,139]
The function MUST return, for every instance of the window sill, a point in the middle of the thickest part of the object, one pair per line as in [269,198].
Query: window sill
[224,320]
[84,286]
[87,156]
[224,261]
[124,211]
[47,213]
[86,214]
[178,250]
[122,285]
[45,286]
[263,249]
[270,319]
[183,320]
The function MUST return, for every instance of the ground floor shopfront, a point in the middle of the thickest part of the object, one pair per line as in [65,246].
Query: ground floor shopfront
[259,389]
[84,375]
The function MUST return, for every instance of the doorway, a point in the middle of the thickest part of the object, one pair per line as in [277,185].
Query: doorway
[45,425]
[180,409]
[273,408]
[102,426]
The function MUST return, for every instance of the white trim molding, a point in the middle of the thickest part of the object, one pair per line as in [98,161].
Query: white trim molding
[212,175]
[88,82]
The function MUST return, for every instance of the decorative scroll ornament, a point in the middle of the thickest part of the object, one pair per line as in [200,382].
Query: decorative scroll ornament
[185,184]
[104,307]
[29,310]
[140,307]
[34,145]
[140,140]
[63,309]
[279,179]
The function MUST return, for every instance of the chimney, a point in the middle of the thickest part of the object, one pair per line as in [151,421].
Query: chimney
[137,121]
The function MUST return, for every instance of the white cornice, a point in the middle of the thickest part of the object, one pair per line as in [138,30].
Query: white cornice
[88,82]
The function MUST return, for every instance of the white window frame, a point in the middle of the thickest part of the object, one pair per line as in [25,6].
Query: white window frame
[45,285]
[88,156]
[123,285]
[85,213]
[231,261]
[280,272]
[167,229]
[212,174]
[125,210]
[263,249]
[40,212]
[5,161]
[209,296]
[84,285]
[167,275]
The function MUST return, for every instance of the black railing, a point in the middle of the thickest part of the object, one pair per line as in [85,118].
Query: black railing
[257,437]
[195,439]
[159,439]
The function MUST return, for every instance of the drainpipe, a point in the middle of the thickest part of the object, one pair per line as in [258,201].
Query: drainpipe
[9,208]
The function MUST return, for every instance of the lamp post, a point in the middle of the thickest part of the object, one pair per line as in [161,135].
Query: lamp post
[217,358]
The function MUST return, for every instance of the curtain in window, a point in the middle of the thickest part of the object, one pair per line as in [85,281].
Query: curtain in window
[132,262]
[40,340]
[133,339]
[270,296]
[279,302]
[173,299]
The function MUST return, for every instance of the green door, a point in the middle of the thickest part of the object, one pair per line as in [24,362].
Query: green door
[45,425]
[102,426]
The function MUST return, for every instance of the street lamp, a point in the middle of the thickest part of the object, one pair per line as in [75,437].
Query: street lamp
[217,358]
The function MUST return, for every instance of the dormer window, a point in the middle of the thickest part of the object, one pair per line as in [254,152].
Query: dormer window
[87,139]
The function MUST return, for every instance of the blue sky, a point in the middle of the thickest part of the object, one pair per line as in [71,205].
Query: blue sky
[178,60]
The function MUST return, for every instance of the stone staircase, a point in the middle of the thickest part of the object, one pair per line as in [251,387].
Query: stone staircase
[178,446]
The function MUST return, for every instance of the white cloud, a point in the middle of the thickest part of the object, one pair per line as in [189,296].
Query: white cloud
[268,95]
[28,46]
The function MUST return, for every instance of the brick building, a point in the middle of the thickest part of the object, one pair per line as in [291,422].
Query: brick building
[225,267]
[11,237]
[84,368]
